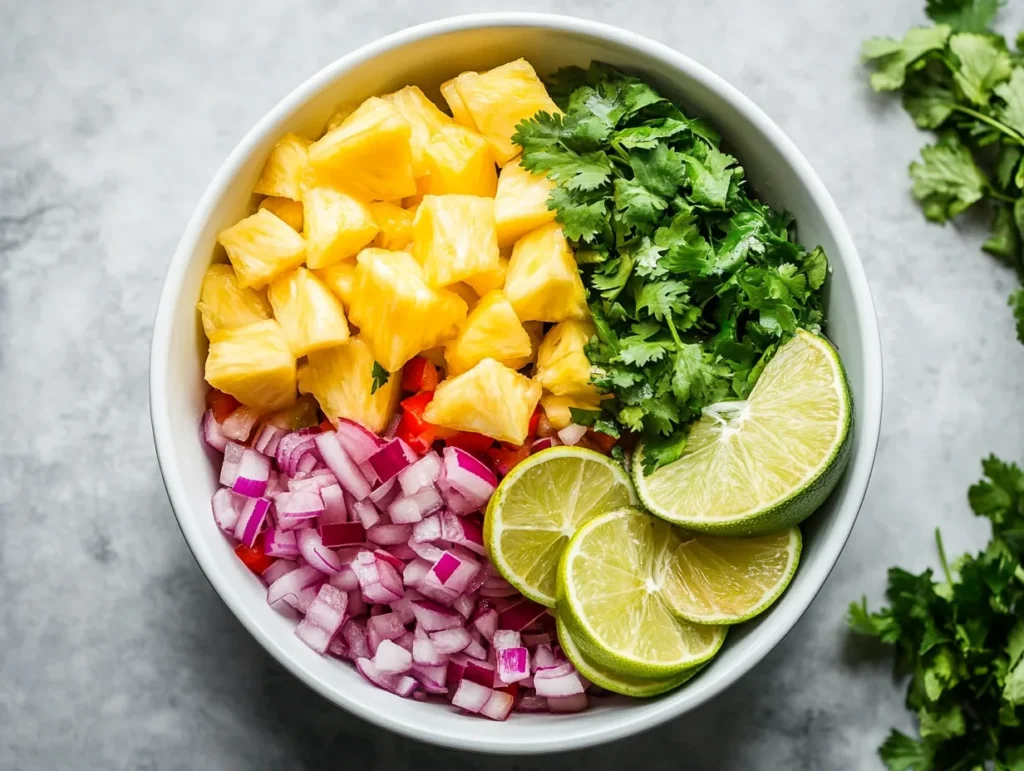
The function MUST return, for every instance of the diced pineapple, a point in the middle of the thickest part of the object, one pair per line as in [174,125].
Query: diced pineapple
[562,365]
[310,315]
[395,225]
[454,237]
[489,399]
[459,161]
[425,120]
[521,203]
[435,356]
[368,154]
[341,379]
[262,247]
[337,226]
[340,278]
[254,364]
[492,331]
[397,313]
[282,173]
[465,291]
[224,304]
[543,283]
[557,407]
[490,280]
[535,329]
[455,103]
[286,209]
[499,99]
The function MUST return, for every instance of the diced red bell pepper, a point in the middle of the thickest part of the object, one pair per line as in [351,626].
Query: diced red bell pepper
[416,405]
[604,442]
[221,403]
[419,375]
[253,557]
[534,423]
[326,426]
[507,457]
[470,442]
[416,433]
[511,689]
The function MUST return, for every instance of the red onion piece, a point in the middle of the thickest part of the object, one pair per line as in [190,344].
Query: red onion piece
[390,459]
[307,463]
[506,638]
[545,443]
[479,672]
[323,618]
[267,439]
[401,552]
[276,570]
[415,572]
[212,433]
[226,509]
[251,520]
[280,543]
[312,483]
[392,659]
[343,467]
[434,617]
[340,534]
[468,476]
[427,529]
[312,548]
[294,509]
[462,531]
[465,604]
[335,511]
[229,466]
[252,474]
[292,447]
[574,703]
[426,550]
[450,640]
[543,657]
[238,425]
[389,558]
[475,650]
[400,685]
[550,684]
[290,584]
[572,433]
[498,705]
[512,664]
[423,473]
[354,635]
[521,614]
[530,702]
[413,508]
[486,622]
[366,513]
[471,696]
[383,496]
[424,653]
[431,677]
[388,535]
[360,443]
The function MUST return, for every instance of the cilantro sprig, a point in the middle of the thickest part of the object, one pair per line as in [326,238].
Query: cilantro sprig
[692,283]
[960,638]
[961,80]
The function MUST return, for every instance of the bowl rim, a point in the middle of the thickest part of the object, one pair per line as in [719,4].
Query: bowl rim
[859,471]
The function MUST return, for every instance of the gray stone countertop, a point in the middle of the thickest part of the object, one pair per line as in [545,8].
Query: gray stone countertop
[116,654]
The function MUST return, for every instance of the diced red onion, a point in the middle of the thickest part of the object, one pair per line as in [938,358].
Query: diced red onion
[385,494]
[401,685]
[368,473]
[435,617]
[431,677]
[512,664]
[550,682]
[543,657]
[392,560]
[405,640]
[333,499]
[226,509]
[280,543]
[544,443]
[340,534]
[392,659]
[475,650]
[251,520]
[323,618]
[423,473]
[413,508]
[462,531]
[392,428]
[427,529]
[292,447]
[486,622]
[343,467]
[238,425]
[572,433]
[456,503]
[401,552]
[531,702]
[388,535]
[277,569]
[338,648]
[465,604]
[506,638]
[424,652]
[356,603]
[275,485]
[521,614]
[415,572]
[312,548]
[293,509]
[498,706]
[471,696]
[450,640]
[229,466]
[344,579]
[306,463]
[312,483]
[575,703]
[360,443]
[354,635]
[455,572]
[468,476]
[290,584]
[426,550]
[252,474]
[479,672]
[267,439]
[390,459]
[212,433]
[366,513]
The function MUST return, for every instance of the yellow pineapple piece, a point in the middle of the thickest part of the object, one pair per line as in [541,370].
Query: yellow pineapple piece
[282,173]
[262,247]
[368,154]
[425,120]
[455,103]
[341,380]
[254,364]
[340,278]
[492,331]
[490,280]
[339,116]
[310,315]
[521,203]
[489,399]
[454,238]
[459,161]
[397,313]
[435,356]
[465,291]
[543,283]
[337,226]
[535,329]
[499,99]
[395,225]
[286,209]
[557,407]
[562,365]
[224,304]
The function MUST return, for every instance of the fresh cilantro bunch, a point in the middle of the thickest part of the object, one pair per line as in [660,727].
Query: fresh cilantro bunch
[960,79]
[961,640]
[692,283]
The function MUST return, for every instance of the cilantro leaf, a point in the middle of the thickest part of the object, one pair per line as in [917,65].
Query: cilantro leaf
[582,218]
[1017,303]
[901,753]
[1011,112]
[948,181]
[930,106]
[710,175]
[637,204]
[892,58]
[983,64]
[662,298]
[964,15]
[1004,242]
[378,377]
[660,170]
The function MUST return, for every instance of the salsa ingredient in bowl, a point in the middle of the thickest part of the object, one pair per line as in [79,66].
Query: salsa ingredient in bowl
[416,327]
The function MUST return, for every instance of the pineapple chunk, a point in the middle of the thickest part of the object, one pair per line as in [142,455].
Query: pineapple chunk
[282,173]
[543,283]
[465,291]
[557,407]
[397,313]
[254,364]
[395,225]
[339,116]
[310,315]
[435,356]
[492,331]
[262,247]
[454,238]
[490,280]
[489,399]
[521,203]
[224,304]
[341,380]
[499,99]
[455,103]
[425,120]
[337,226]
[535,329]
[459,161]
[286,209]
[562,366]
[368,154]
[340,278]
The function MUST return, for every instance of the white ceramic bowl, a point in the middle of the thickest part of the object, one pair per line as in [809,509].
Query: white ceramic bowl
[427,55]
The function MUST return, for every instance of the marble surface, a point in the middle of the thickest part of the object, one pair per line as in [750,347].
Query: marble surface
[114,651]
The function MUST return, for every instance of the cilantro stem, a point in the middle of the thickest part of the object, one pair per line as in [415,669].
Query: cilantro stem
[675,334]
[1000,196]
[1002,127]
[942,556]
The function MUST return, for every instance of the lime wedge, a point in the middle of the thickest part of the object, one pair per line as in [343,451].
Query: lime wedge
[721,580]
[611,598]
[763,464]
[540,504]
[610,680]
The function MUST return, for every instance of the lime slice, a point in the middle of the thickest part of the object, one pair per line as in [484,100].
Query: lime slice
[721,580]
[540,504]
[763,464]
[637,687]
[611,584]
